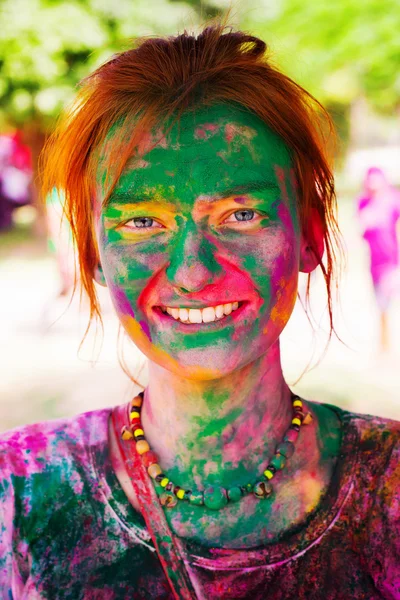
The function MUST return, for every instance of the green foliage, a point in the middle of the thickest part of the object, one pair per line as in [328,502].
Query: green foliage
[47,46]
[337,50]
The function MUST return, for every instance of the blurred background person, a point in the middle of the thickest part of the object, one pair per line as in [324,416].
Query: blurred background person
[15,177]
[378,212]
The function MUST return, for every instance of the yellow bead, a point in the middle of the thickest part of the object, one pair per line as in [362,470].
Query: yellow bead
[134,415]
[154,470]
[142,446]
[164,482]
[298,403]
[180,494]
[126,433]
[296,421]
[138,432]
[137,401]
[268,474]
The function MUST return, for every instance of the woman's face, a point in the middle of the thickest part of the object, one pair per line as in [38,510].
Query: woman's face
[203,225]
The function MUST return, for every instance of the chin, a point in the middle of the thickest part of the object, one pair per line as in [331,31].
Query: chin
[205,364]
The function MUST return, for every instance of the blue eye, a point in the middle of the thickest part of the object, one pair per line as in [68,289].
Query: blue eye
[142,225]
[143,222]
[244,215]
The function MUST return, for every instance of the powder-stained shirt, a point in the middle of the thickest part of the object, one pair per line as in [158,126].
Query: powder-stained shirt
[67,530]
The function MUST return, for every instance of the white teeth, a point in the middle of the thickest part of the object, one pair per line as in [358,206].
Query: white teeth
[183,314]
[194,315]
[208,314]
[201,315]
[219,311]
[227,309]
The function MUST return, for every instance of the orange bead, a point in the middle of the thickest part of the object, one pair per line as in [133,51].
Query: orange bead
[126,433]
[154,470]
[142,446]
[136,402]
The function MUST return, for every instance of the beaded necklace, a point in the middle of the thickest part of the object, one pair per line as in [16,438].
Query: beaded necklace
[214,497]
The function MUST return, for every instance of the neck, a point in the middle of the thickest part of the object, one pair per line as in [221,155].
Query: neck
[223,428]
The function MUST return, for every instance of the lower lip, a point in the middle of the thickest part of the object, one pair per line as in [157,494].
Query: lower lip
[235,315]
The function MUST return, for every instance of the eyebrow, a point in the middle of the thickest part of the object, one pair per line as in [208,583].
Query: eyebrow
[135,197]
[251,186]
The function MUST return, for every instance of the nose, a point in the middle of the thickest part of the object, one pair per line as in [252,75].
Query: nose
[193,265]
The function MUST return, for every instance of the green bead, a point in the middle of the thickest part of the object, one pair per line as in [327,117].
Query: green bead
[234,494]
[286,449]
[278,461]
[215,497]
[196,498]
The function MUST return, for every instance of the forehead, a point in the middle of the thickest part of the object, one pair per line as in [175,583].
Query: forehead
[206,152]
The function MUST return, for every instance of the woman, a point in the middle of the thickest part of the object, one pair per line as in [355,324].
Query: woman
[379,214]
[197,188]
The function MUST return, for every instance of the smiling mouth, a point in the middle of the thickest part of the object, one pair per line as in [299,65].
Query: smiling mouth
[208,314]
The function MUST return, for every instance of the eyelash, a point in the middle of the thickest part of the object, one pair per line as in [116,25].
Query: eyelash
[159,226]
[126,224]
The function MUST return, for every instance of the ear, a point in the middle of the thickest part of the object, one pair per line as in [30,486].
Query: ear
[312,244]
[99,275]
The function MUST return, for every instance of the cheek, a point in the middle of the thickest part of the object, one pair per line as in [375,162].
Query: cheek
[127,265]
[284,280]
[268,259]
[128,269]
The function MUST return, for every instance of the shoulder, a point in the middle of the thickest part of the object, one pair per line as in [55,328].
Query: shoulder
[35,448]
[379,450]
[372,444]
[378,438]
[373,432]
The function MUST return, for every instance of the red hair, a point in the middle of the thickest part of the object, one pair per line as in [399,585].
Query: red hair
[162,77]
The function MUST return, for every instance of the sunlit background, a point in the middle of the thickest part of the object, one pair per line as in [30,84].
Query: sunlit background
[347,53]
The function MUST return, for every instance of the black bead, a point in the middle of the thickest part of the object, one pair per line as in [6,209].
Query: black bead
[187,495]
[295,427]
[139,437]
[272,469]
[160,477]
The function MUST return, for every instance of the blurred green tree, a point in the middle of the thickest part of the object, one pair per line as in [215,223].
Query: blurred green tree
[47,46]
[338,50]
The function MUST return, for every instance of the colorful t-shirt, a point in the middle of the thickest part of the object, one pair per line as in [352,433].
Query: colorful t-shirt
[68,532]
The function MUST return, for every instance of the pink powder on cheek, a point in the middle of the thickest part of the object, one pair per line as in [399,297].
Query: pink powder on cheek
[122,302]
[125,309]
[145,329]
